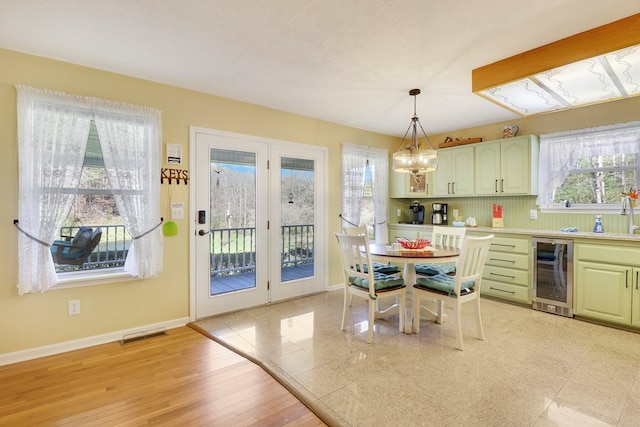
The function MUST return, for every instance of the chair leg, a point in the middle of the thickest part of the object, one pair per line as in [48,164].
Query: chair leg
[440,319]
[401,314]
[479,329]
[416,312]
[345,311]
[372,309]
[459,344]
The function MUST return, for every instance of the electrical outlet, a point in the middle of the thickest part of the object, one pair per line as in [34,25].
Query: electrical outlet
[533,214]
[455,213]
[73,306]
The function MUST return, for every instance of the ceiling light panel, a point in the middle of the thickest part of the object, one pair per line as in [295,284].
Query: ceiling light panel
[625,63]
[603,78]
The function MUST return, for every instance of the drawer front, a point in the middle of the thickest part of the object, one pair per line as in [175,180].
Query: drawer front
[505,291]
[511,245]
[506,275]
[508,260]
[608,254]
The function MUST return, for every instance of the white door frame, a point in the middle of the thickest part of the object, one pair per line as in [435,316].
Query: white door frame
[321,219]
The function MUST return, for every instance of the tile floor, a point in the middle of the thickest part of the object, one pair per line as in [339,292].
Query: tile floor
[533,369]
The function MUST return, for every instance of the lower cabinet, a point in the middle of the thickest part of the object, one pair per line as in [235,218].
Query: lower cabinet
[507,269]
[608,283]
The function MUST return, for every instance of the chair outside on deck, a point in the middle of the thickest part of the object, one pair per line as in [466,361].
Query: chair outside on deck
[76,251]
[443,236]
[354,252]
[459,289]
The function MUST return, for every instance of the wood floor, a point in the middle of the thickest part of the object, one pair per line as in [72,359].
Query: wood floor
[182,378]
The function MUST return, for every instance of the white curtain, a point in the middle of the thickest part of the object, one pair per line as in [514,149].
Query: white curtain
[52,138]
[560,151]
[53,130]
[380,180]
[132,165]
[355,159]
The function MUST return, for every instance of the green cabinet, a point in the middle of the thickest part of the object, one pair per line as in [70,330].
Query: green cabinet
[506,273]
[407,186]
[454,176]
[607,283]
[508,166]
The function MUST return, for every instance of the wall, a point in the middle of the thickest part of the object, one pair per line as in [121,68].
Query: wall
[32,321]
[516,209]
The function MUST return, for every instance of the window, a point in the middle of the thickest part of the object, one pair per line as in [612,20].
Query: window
[589,168]
[94,206]
[53,134]
[365,189]
[599,180]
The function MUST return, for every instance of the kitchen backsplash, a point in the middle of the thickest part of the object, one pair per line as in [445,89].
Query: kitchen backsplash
[515,213]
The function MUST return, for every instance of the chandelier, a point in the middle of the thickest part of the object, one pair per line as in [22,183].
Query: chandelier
[411,157]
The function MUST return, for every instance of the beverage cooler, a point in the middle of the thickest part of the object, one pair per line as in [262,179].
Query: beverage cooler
[552,276]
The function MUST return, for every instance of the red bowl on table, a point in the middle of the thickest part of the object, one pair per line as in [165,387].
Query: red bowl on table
[413,244]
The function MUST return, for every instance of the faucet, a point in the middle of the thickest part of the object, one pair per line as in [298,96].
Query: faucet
[627,205]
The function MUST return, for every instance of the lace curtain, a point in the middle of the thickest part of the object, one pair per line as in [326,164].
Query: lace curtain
[52,139]
[354,164]
[53,129]
[132,164]
[559,152]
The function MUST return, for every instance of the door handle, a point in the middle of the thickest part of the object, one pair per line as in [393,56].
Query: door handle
[202,232]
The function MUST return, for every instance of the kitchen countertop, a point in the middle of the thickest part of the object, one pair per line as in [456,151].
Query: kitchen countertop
[547,233]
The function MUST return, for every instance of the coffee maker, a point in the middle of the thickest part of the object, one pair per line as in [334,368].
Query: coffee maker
[439,214]
[416,213]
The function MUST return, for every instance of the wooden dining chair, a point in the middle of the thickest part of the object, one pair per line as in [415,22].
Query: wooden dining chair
[377,266]
[443,236]
[456,290]
[364,282]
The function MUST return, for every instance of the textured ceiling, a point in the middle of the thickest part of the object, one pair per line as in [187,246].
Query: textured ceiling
[345,61]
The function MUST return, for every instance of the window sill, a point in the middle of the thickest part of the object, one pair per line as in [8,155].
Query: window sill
[582,209]
[91,278]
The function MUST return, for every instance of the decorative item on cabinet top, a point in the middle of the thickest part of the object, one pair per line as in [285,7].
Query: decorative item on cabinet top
[450,142]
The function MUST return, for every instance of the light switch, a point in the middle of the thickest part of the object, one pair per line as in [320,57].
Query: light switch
[177,210]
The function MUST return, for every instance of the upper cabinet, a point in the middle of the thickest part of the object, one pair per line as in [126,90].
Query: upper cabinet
[508,166]
[502,167]
[454,176]
[407,186]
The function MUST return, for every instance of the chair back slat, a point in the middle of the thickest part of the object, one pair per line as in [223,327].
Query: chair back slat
[448,236]
[473,255]
[355,255]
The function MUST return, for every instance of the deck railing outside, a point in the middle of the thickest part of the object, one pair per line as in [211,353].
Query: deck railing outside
[232,249]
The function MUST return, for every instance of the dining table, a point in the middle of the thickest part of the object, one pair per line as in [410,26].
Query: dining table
[395,254]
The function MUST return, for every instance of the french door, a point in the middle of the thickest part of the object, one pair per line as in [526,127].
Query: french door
[259,220]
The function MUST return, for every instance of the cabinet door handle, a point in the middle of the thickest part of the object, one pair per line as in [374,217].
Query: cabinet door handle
[426,188]
[496,185]
[502,275]
[502,260]
[636,280]
[502,290]
[453,188]
[448,188]
[626,279]
[502,244]
[502,185]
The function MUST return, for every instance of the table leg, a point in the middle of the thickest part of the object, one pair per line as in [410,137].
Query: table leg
[409,276]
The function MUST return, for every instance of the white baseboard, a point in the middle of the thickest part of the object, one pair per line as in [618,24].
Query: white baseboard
[48,350]
[335,287]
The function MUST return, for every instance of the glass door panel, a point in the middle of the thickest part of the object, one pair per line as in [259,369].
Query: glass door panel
[297,178]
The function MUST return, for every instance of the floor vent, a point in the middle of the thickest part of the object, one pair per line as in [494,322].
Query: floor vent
[143,335]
